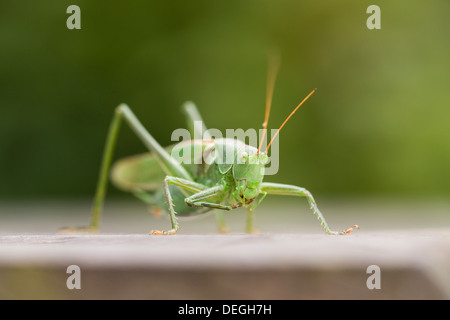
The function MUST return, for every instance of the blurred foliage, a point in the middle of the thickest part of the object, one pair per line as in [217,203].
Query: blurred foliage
[379,123]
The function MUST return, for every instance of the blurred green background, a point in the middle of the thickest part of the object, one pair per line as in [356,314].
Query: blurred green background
[378,125]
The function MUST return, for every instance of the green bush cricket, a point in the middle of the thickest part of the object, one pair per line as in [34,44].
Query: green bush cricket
[195,188]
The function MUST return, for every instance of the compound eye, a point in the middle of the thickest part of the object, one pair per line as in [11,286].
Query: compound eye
[243,157]
[263,158]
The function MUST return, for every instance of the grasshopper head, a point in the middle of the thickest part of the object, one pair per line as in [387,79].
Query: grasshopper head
[248,173]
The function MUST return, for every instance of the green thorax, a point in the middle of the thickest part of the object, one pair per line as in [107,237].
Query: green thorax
[235,165]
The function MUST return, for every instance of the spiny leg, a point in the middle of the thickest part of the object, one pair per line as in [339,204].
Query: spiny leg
[168,164]
[102,182]
[181,183]
[283,189]
[197,199]
[172,213]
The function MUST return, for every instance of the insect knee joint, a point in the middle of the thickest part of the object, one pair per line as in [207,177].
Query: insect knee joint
[120,109]
[189,202]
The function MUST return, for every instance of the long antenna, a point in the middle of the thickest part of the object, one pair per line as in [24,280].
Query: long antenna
[272,70]
[292,113]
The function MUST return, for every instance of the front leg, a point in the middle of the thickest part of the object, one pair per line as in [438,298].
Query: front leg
[249,228]
[289,190]
[197,200]
[181,183]
[169,165]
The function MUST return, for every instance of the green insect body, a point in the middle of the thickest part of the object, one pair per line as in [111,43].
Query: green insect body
[221,174]
[192,188]
[238,182]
